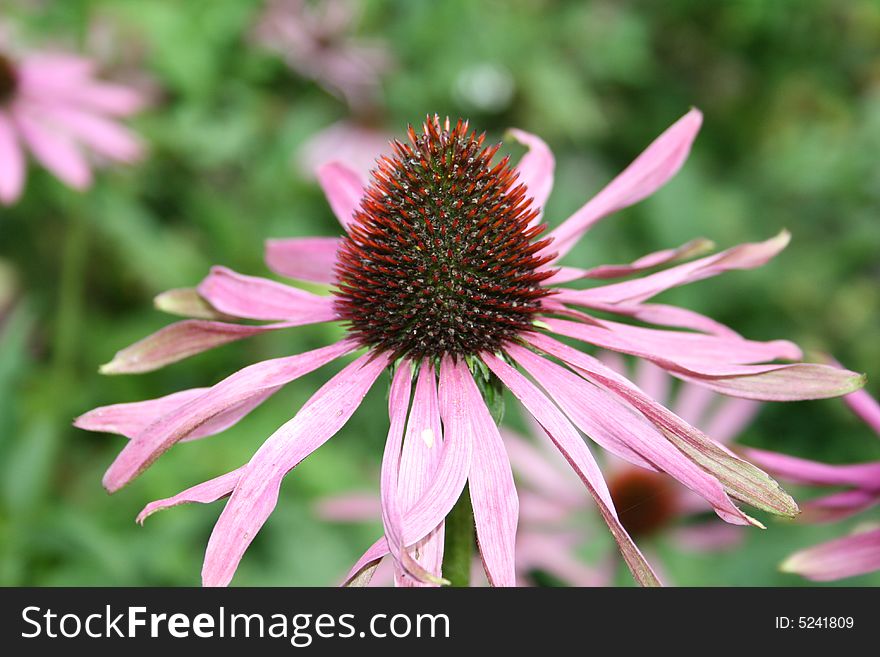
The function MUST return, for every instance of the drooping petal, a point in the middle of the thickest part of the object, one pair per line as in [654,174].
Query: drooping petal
[256,492]
[647,173]
[54,151]
[362,571]
[181,340]
[655,259]
[744,256]
[805,471]
[866,407]
[204,493]
[535,169]
[653,380]
[493,493]
[741,479]
[540,551]
[664,315]
[535,467]
[837,506]
[252,297]
[418,463]
[600,414]
[343,188]
[187,302]
[252,384]
[576,452]
[304,259]
[843,557]
[12,164]
[350,507]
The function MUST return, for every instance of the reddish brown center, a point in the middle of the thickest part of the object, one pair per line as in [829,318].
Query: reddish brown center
[441,258]
[645,500]
[8,79]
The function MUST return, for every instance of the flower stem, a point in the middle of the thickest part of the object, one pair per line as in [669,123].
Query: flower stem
[70,296]
[460,541]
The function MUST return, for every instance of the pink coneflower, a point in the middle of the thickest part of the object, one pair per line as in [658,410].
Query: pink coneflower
[858,553]
[53,106]
[442,277]
[316,40]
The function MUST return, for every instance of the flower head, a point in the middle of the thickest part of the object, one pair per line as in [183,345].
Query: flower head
[53,106]
[443,278]
[851,555]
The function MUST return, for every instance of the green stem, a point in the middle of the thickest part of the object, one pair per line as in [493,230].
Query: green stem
[70,296]
[460,542]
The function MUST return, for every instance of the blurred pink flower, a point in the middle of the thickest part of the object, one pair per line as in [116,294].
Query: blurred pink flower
[53,106]
[359,146]
[316,40]
[441,277]
[851,555]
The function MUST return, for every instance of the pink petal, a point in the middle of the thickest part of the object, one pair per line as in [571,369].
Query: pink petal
[12,165]
[42,71]
[54,150]
[647,173]
[181,340]
[843,557]
[804,471]
[256,493]
[101,135]
[493,493]
[305,259]
[344,190]
[692,402]
[866,407]
[742,480]
[418,463]
[186,302]
[598,413]
[252,384]
[663,315]
[204,493]
[392,520]
[535,468]
[535,169]
[744,256]
[106,98]
[730,418]
[837,506]
[692,248]
[352,507]
[653,380]
[363,569]
[539,551]
[576,452]
[708,537]
[259,298]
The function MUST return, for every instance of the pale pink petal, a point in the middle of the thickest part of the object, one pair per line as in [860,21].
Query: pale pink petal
[304,259]
[866,407]
[106,98]
[101,135]
[663,315]
[576,452]
[12,164]
[741,480]
[804,471]
[598,413]
[252,384]
[653,380]
[647,173]
[204,493]
[540,551]
[795,382]
[692,403]
[186,302]
[533,467]
[730,418]
[344,190]
[843,557]
[362,571]
[708,537]
[837,506]
[54,151]
[41,71]
[655,259]
[535,169]
[744,256]
[181,340]
[493,493]
[418,463]
[256,493]
[351,507]
[252,297]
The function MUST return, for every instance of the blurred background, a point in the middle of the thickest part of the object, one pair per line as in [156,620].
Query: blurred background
[238,119]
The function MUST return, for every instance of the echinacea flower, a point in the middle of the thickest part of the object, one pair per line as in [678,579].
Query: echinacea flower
[859,552]
[553,508]
[316,40]
[443,278]
[54,107]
